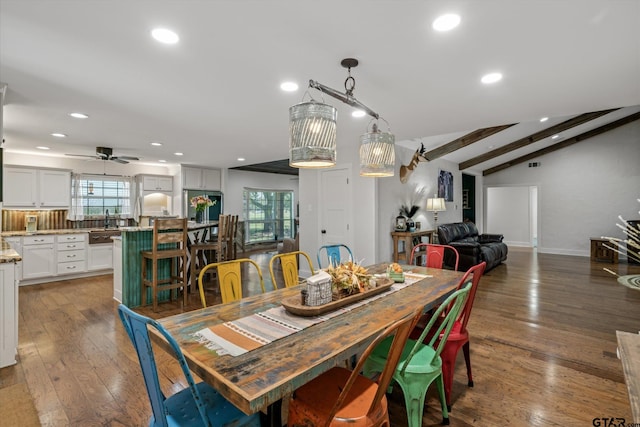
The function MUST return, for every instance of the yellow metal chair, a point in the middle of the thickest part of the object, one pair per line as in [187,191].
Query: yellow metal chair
[289,265]
[229,278]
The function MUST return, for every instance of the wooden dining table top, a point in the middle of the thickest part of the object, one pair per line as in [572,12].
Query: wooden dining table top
[263,376]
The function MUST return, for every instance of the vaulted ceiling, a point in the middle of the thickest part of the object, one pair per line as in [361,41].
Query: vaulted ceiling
[215,97]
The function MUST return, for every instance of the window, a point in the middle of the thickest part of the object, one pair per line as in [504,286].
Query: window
[92,195]
[268,215]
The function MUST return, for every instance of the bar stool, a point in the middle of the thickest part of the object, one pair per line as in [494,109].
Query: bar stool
[169,243]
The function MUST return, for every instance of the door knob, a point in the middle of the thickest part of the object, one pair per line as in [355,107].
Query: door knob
[323,231]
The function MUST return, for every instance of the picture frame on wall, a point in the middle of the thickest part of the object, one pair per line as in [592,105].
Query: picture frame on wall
[445,185]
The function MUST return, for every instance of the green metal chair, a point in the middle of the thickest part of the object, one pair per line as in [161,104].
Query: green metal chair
[420,363]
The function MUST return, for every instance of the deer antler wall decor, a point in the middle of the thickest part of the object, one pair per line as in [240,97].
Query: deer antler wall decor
[418,157]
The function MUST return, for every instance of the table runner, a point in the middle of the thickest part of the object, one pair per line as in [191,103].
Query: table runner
[248,333]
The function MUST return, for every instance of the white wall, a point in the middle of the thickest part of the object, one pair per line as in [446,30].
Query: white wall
[582,189]
[394,194]
[509,214]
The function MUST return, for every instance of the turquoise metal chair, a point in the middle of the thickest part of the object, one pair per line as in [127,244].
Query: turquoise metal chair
[333,254]
[198,404]
[420,364]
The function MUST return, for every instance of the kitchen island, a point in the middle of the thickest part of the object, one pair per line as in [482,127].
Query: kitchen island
[132,241]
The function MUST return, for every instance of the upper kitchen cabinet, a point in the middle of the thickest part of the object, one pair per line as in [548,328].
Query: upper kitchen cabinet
[201,179]
[36,188]
[156,183]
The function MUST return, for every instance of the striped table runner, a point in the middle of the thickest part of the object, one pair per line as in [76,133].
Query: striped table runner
[248,333]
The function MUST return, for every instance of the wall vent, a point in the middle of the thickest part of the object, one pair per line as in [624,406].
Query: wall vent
[535,164]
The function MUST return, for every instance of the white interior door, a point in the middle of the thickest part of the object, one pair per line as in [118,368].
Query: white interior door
[512,212]
[335,207]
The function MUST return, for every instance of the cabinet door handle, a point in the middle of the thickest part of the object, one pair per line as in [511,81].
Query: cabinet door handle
[71,267]
[71,246]
[71,256]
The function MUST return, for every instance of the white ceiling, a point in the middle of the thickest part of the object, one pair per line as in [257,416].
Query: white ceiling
[215,95]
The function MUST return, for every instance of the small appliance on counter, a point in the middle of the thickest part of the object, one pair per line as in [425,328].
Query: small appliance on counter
[31,223]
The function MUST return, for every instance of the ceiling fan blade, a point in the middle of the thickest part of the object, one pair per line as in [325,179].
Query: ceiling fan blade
[118,160]
[83,155]
[126,158]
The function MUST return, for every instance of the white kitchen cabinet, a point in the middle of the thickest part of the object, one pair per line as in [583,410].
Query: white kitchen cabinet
[38,256]
[100,256]
[33,188]
[201,178]
[162,184]
[9,317]
[71,253]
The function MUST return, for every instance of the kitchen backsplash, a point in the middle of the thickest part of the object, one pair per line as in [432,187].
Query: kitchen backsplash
[13,220]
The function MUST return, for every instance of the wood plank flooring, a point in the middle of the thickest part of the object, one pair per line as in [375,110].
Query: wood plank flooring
[543,349]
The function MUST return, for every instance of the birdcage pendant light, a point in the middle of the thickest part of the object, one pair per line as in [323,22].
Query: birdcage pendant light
[312,132]
[377,153]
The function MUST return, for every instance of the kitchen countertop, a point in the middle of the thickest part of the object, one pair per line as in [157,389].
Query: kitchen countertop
[6,253]
[191,225]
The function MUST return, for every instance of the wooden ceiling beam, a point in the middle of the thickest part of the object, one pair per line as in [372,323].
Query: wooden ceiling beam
[563,144]
[523,142]
[463,141]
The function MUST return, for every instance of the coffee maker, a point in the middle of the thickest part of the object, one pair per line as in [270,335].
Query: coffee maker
[31,223]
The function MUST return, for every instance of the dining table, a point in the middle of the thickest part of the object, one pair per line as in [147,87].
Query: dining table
[258,380]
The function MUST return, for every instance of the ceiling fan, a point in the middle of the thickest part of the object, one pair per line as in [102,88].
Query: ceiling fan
[106,153]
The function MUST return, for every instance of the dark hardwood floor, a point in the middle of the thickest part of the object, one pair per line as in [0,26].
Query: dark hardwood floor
[543,349]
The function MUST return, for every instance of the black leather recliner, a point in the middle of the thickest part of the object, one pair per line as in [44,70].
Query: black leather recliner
[472,248]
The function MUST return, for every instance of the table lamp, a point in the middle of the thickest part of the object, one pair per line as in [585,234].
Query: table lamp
[435,205]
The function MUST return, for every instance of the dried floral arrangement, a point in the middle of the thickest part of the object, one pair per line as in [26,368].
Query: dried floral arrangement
[348,278]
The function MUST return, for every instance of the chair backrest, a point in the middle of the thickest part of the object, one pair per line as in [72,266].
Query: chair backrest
[332,253]
[169,233]
[229,279]
[441,325]
[136,327]
[434,254]
[477,271]
[289,265]
[400,331]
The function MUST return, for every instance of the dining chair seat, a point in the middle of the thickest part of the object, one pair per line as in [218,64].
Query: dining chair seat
[420,364]
[197,404]
[343,397]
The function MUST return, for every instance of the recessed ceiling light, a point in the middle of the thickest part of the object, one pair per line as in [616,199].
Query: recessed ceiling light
[556,136]
[162,161]
[241,159]
[358,113]
[178,154]
[289,86]
[491,78]
[165,36]
[43,148]
[59,135]
[156,144]
[79,115]
[446,22]
[544,119]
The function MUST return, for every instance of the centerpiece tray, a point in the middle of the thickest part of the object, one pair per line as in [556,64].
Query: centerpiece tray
[294,304]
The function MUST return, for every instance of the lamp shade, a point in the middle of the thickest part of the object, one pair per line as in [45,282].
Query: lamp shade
[436,205]
[312,135]
[377,153]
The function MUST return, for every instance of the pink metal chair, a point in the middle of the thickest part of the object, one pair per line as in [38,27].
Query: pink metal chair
[433,254]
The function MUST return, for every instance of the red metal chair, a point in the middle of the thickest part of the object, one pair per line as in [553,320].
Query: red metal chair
[433,254]
[459,336]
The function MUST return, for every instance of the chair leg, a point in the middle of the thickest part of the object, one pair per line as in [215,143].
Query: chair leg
[443,401]
[143,292]
[414,390]
[154,283]
[185,285]
[467,360]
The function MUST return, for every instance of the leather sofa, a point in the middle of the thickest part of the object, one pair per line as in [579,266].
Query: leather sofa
[472,248]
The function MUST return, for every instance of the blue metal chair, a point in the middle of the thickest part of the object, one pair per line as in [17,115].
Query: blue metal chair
[333,255]
[198,404]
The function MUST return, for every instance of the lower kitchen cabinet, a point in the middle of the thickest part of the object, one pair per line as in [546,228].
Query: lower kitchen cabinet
[71,252]
[100,256]
[9,309]
[38,257]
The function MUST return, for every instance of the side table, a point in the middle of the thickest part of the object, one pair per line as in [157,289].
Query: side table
[599,252]
[407,239]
